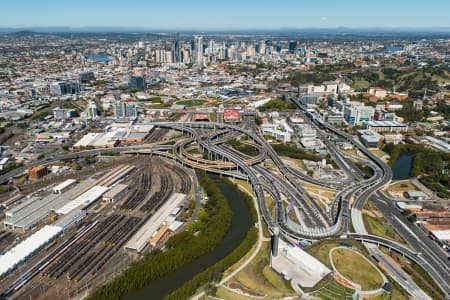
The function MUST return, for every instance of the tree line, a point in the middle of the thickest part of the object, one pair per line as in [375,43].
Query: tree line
[428,165]
[182,248]
[213,274]
[294,152]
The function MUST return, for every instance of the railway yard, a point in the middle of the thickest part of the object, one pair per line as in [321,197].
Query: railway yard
[90,250]
[65,237]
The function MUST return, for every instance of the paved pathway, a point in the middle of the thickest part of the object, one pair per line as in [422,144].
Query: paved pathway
[255,252]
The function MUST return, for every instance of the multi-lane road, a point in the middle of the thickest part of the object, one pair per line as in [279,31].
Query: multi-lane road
[425,252]
[315,223]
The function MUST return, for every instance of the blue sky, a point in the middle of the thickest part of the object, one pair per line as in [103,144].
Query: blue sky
[225,14]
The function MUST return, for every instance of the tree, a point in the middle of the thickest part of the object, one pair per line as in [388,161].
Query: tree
[193,227]
[203,216]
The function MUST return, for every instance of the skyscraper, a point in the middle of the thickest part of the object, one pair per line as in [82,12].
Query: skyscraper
[176,49]
[292,46]
[198,51]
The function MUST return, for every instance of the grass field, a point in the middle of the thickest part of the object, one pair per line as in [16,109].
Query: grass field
[194,151]
[246,185]
[223,293]
[334,290]
[355,268]
[361,84]
[330,194]
[192,102]
[378,152]
[298,162]
[330,288]
[394,295]
[402,186]
[352,152]
[321,249]
[380,227]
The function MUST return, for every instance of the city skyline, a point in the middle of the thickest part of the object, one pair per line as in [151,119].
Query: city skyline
[230,15]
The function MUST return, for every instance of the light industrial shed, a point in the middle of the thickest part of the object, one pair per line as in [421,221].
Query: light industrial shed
[115,193]
[63,186]
[140,239]
[27,247]
[84,200]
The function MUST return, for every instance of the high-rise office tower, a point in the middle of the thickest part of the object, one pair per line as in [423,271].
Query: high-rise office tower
[177,49]
[292,46]
[137,82]
[198,51]
[125,110]
[212,46]
[257,48]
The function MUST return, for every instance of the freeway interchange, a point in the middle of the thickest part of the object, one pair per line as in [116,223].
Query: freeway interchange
[315,224]
[285,187]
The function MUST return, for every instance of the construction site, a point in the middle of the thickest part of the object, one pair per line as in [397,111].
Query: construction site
[71,235]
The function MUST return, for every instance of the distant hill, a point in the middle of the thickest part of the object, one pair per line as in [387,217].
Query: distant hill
[23,33]
[377,31]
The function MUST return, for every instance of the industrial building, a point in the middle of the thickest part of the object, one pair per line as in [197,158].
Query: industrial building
[113,134]
[37,172]
[70,219]
[279,129]
[383,126]
[27,247]
[96,140]
[84,200]
[297,265]
[370,138]
[416,195]
[437,143]
[63,186]
[32,210]
[116,193]
[140,239]
[160,235]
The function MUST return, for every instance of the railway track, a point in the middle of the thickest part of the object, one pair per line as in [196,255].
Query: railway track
[140,192]
[6,239]
[90,253]
[165,190]
[156,135]
[184,178]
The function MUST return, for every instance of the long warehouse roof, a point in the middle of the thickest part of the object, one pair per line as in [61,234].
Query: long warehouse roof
[27,247]
[83,200]
[65,184]
[139,240]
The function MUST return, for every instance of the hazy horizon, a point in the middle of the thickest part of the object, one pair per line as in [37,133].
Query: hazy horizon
[229,15]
